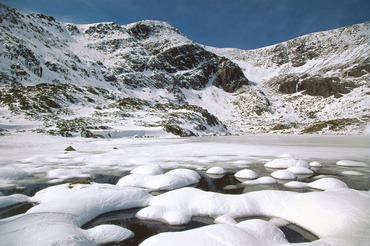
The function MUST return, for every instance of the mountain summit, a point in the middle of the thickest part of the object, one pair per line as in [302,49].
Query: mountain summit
[107,79]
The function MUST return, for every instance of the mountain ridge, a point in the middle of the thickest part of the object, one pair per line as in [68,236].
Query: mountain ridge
[96,79]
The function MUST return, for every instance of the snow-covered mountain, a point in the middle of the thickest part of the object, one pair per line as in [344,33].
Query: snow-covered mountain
[145,78]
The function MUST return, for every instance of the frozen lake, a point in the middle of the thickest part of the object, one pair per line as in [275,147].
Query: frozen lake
[31,162]
[27,157]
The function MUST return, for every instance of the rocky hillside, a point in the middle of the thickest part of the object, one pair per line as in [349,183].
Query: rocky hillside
[105,79]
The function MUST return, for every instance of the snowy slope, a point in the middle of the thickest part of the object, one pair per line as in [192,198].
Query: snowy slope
[104,79]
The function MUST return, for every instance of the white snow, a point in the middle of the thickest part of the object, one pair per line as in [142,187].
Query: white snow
[149,170]
[283,174]
[62,210]
[171,180]
[216,170]
[251,232]
[286,163]
[352,173]
[320,184]
[261,180]
[339,215]
[348,163]
[246,174]
[315,164]
[108,233]
[300,170]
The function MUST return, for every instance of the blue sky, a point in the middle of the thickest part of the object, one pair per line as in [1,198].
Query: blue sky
[245,24]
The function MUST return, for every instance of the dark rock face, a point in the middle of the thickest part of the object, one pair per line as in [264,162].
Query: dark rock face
[140,31]
[229,76]
[316,85]
[324,86]
[184,57]
[288,84]
[103,28]
[280,54]
[300,51]
[359,70]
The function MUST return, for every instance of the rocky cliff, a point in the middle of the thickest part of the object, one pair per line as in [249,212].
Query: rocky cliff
[100,79]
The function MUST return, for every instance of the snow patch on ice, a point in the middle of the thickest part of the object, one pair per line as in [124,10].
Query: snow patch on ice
[286,163]
[283,174]
[171,180]
[108,233]
[348,163]
[261,180]
[315,164]
[216,170]
[246,174]
[321,184]
[148,170]
[300,170]
[352,173]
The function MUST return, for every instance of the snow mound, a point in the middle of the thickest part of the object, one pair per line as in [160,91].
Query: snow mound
[260,181]
[252,232]
[300,170]
[321,184]
[315,164]
[171,180]
[149,170]
[352,173]
[283,174]
[351,163]
[108,233]
[216,170]
[246,174]
[286,163]
[86,201]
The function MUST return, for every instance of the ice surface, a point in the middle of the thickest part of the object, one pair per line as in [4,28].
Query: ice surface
[6,201]
[171,180]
